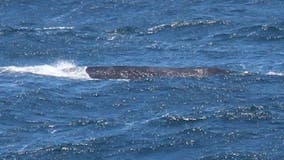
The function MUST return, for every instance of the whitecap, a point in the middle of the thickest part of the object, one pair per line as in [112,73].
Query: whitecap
[63,69]
[271,73]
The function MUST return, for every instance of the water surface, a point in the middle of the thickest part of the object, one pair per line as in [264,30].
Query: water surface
[50,108]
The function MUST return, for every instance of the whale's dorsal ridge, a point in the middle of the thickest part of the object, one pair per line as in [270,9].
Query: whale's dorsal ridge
[138,72]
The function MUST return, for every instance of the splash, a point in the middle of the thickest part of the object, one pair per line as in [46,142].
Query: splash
[63,69]
[271,73]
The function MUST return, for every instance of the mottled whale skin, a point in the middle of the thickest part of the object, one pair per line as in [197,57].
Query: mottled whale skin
[140,72]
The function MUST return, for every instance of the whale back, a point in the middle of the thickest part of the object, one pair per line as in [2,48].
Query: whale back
[138,72]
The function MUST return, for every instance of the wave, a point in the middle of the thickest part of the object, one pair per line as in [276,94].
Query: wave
[249,113]
[180,24]
[271,73]
[236,155]
[125,30]
[59,69]
[264,32]
[10,29]
[169,119]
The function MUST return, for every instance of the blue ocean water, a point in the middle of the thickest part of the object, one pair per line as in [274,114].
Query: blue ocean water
[51,109]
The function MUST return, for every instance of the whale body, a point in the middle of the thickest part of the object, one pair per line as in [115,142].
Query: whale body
[140,72]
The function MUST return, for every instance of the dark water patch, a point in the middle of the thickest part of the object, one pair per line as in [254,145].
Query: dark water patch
[53,133]
[98,148]
[61,151]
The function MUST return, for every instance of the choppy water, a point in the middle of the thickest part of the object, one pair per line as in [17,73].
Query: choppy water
[51,109]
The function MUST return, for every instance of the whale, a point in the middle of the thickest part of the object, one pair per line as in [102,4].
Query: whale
[142,72]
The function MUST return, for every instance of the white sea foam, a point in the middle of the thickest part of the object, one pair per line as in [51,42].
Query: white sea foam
[57,28]
[271,73]
[59,69]
[46,28]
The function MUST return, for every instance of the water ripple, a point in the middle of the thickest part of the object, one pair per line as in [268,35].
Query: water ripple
[10,29]
[184,24]
[246,113]
[263,32]
[237,155]
[169,119]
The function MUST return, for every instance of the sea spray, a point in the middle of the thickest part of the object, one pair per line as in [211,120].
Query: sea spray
[64,69]
[272,73]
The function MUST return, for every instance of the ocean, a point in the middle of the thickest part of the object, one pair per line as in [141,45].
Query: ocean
[51,109]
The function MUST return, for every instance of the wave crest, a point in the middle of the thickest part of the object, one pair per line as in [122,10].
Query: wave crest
[179,24]
[271,73]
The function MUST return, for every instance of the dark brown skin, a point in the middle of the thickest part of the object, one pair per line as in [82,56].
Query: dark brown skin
[140,72]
